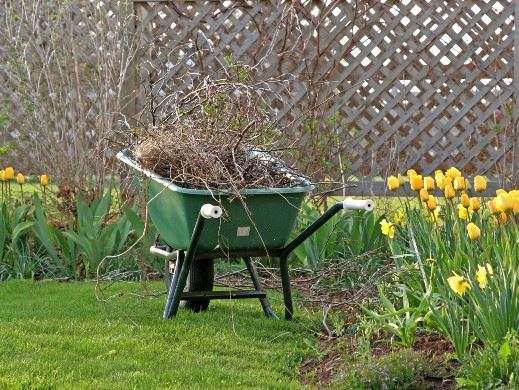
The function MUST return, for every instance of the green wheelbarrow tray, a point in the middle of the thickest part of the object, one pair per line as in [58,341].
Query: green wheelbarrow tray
[189,221]
[263,223]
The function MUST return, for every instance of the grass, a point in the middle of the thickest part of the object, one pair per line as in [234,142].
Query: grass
[56,335]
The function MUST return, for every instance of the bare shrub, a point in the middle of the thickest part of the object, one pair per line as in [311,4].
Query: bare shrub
[64,67]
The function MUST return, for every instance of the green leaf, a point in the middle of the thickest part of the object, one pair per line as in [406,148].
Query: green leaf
[504,353]
[20,229]
[135,220]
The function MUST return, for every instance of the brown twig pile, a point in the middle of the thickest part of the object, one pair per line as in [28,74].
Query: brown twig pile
[218,137]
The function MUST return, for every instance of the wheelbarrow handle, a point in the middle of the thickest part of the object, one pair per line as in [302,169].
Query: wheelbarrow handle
[346,204]
[358,204]
[209,211]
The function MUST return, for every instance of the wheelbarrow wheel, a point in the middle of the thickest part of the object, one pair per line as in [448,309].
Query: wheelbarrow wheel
[201,277]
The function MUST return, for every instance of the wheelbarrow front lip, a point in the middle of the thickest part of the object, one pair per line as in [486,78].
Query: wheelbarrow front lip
[124,157]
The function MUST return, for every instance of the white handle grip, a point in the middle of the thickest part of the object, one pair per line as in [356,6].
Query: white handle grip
[161,252]
[209,211]
[358,204]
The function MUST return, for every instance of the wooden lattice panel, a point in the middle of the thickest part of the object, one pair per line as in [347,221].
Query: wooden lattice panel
[422,84]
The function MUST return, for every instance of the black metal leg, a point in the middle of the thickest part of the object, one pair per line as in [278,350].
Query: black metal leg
[178,266]
[176,289]
[257,285]
[285,281]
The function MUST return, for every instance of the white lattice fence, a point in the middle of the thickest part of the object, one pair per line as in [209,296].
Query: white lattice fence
[422,84]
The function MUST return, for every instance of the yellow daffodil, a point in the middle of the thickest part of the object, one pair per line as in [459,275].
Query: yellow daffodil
[428,183]
[463,213]
[475,204]
[387,228]
[398,218]
[393,183]
[434,217]
[480,184]
[504,202]
[481,276]
[492,207]
[449,191]
[416,182]
[2,175]
[424,195]
[500,191]
[430,261]
[441,182]
[465,200]
[459,183]
[515,198]
[458,284]
[44,180]
[453,173]
[473,231]
[438,175]
[431,203]
[9,173]
[20,179]
[410,172]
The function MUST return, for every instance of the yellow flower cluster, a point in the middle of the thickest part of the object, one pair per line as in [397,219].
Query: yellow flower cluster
[453,185]
[8,174]
[460,285]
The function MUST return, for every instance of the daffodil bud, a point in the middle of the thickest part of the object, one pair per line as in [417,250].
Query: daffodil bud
[416,182]
[453,173]
[424,195]
[449,191]
[431,203]
[459,183]
[428,183]
[473,231]
[20,179]
[475,204]
[393,183]
[44,180]
[480,184]
[9,173]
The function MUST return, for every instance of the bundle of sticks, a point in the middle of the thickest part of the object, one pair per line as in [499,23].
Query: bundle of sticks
[218,136]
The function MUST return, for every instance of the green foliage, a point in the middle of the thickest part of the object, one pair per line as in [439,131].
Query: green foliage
[30,244]
[18,258]
[346,235]
[95,236]
[6,149]
[493,368]
[401,322]
[432,253]
[403,370]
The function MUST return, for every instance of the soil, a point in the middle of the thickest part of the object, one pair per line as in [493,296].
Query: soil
[436,350]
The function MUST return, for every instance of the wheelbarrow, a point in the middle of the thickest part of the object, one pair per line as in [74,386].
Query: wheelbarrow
[199,226]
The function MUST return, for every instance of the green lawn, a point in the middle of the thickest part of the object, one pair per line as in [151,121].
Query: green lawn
[56,335]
